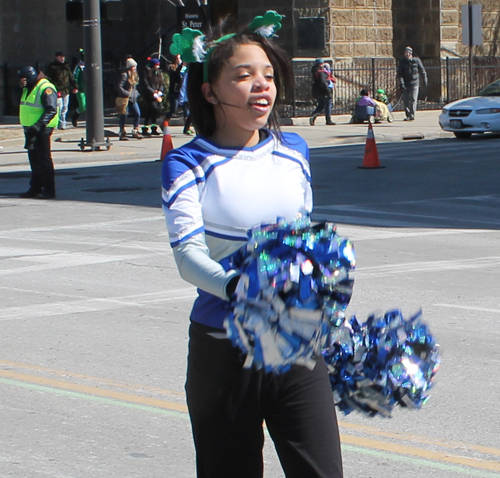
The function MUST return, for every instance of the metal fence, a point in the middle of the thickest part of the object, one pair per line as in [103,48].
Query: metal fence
[448,81]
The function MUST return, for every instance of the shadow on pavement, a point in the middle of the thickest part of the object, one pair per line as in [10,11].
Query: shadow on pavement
[422,184]
[131,184]
[414,189]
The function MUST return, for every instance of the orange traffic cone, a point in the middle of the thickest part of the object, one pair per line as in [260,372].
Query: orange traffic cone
[370,158]
[166,144]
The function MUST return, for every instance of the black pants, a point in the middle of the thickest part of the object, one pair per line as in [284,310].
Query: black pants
[324,103]
[152,111]
[187,117]
[228,404]
[173,98]
[42,167]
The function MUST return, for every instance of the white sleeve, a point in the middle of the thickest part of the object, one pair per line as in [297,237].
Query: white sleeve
[196,266]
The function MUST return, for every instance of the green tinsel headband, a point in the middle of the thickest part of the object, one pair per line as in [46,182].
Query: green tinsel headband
[190,44]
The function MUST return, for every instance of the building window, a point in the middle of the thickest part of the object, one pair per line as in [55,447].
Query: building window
[311,33]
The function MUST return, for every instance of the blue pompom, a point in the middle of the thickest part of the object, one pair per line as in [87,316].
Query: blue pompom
[289,309]
[384,362]
[294,285]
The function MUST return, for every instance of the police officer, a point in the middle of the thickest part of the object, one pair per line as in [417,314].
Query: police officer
[38,116]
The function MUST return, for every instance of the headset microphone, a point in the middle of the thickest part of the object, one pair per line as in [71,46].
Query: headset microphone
[229,104]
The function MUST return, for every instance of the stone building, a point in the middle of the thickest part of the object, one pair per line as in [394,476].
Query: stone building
[382,28]
[349,32]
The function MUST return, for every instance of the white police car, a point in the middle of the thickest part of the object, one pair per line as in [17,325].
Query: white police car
[479,114]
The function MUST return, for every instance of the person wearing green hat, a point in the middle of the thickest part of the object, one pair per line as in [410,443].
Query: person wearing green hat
[381,96]
[79,75]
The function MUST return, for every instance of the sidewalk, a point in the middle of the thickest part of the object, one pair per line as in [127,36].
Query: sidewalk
[66,144]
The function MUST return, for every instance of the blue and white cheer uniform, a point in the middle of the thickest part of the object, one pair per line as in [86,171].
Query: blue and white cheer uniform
[212,197]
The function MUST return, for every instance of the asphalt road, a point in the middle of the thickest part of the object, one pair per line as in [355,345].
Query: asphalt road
[94,314]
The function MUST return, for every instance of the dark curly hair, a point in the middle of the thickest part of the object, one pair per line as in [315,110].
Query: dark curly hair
[202,112]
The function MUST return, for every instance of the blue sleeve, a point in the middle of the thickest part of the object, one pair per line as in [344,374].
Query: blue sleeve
[294,141]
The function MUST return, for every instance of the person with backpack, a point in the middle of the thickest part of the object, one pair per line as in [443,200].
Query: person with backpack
[321,91]
[126,102]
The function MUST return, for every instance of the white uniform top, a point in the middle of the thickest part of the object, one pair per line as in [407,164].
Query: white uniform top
[213,196]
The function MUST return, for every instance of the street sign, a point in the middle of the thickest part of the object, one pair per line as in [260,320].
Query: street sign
[192,16]
[472,33]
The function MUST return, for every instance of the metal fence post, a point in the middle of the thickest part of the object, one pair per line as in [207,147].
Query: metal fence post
[4,86]
[294,113]
[447,79]
[373,76]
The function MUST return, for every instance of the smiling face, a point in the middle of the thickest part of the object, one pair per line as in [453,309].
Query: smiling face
[243,96]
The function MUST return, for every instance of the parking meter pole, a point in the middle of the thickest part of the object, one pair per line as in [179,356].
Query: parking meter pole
[93,73]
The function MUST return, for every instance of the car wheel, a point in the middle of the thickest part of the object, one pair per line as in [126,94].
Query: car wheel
[462,135]
[371,119]
[390,119]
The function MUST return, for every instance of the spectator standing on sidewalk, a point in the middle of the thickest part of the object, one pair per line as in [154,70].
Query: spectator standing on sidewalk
[174,71]
[38,116]
[153,89]
[60,75]
[127,99]
[321,92]
[410,69]
[79,75]
[183,102]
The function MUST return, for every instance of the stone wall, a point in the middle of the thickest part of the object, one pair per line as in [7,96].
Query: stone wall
[361,28]
[353,28]
[382,28]
[451,29]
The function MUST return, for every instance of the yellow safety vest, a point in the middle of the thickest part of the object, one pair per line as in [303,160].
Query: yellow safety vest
[31,108]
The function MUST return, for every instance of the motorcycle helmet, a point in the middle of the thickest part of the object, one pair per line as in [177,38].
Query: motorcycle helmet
[29,73]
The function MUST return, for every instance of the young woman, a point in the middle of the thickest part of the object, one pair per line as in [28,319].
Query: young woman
[234,175]
[127,92]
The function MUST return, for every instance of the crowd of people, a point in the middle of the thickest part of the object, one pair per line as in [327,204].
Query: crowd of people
[157,94]
[152,87]
[153,90]
[46,97]
[45,102]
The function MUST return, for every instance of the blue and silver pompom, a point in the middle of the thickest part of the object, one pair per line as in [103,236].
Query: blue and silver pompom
[386,361]
[289,308]
[294,286]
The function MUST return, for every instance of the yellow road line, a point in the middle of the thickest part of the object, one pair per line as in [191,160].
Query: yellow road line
[114,383]
[88,389]
[419,438]
[353,440]
[427,454]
